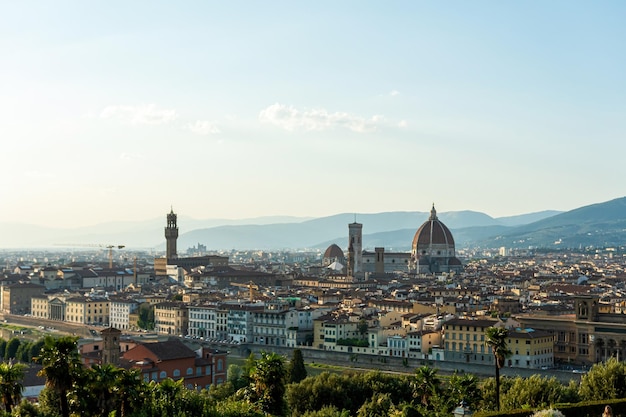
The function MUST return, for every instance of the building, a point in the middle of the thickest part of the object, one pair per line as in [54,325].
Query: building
[433,249]
[85,310]
[171,318]
[16,298]
[465,340]
[171,257]
[202,321]
[533,349]
[171,236]
[422,342]
[381,262]
[271,324]
[334,257]
[594,333]
[355,248]
[121,310]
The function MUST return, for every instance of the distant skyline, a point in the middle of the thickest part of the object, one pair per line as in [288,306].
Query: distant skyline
[117,111]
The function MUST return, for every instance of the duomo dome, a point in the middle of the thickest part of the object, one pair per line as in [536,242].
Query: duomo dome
[433,247]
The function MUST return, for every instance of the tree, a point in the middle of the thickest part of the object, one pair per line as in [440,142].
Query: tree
[101,382]
[496,340]
[535,392]
[130,390]
[11,387]
[377,406]
[268,377]
[60,365]
[426,384]
[296,371]
[11,348]
[3,347]
[463,388]
[604,381]
[363,328]
[146,316]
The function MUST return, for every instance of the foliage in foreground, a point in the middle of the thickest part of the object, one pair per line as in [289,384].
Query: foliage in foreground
[262,387]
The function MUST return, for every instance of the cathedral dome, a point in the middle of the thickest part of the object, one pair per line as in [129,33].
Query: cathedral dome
[333,251]
[432,232]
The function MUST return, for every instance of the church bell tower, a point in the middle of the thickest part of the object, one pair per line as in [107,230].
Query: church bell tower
[171,234]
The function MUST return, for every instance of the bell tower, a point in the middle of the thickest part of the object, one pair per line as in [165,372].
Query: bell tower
[171,234]
[111,348]
[355,235]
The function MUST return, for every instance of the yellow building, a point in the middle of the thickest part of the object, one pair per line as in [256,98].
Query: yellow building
[464,340]
[87,311]
[39,306]
[328,329]
[532,349]
[171,318]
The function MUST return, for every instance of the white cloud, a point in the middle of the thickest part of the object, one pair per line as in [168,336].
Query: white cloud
[290,118]
[144,114]
[203,127]
[129,157]
[403,123]
[394,93]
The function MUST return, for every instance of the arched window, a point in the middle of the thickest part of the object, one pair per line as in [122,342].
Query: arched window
[189,371]
[176,373]
[163,375]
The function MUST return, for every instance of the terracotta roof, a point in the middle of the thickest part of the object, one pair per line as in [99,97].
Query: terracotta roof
[170,350]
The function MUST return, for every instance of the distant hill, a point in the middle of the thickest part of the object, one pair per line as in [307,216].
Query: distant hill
[392,230]
[523,219]
[597,225]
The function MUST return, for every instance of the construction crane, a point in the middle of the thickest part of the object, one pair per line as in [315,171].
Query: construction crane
[251,287]
[95,245]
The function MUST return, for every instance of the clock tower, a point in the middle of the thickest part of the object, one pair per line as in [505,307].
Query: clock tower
[171,234]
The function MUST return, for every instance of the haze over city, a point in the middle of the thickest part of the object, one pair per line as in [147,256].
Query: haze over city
[114,111]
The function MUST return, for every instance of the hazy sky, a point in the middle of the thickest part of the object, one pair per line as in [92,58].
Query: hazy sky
[117,110]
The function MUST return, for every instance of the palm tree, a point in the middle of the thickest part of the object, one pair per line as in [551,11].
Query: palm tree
[11,387]
[496,340]
[130,389]
[426,384]
[60,365]
[102,380]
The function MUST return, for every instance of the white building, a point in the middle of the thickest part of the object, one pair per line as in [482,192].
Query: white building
[119,312]
[202,321]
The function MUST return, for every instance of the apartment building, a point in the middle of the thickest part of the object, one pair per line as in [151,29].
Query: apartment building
[202,321]
[121,310]
[530,348]
[84,310]
[421,342]
[465,340]
[171,318]
[270,325]
[239,322]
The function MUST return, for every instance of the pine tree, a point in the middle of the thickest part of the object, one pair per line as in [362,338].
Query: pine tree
[296,371]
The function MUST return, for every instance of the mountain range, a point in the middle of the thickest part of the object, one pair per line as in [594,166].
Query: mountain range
[597,225]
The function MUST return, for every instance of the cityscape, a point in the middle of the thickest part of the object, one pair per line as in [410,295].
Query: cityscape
[563,309]
[325,209]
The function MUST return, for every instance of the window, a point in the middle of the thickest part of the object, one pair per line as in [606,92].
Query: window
[163,375]
[189,371]
[176,373]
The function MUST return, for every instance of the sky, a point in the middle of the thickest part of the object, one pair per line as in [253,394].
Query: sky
[118,111]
